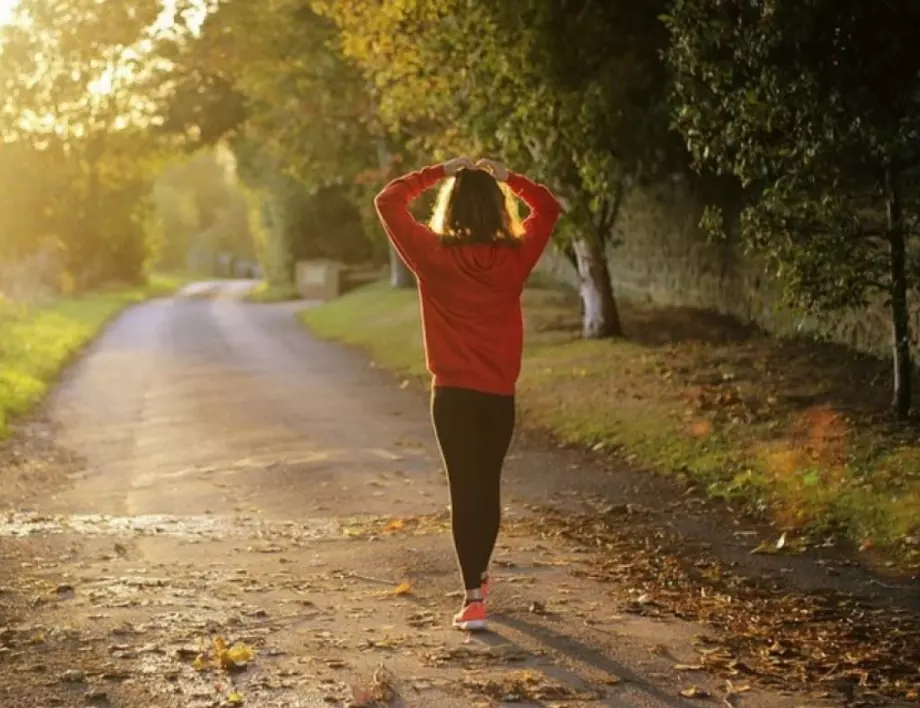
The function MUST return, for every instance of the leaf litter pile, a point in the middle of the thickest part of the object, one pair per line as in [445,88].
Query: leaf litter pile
[375,527]
[772,634]
[380,691]
[528,686]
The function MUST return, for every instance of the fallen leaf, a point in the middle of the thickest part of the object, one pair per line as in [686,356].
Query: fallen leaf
[694,692]
[404,588]
[228,658]
[240,654]
[688,667]
[235,698]
[74,676]
[764,547]
[733,690]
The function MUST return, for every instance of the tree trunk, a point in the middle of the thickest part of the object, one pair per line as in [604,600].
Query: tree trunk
[400,275]
[600,316]
[568,251]
[900,314]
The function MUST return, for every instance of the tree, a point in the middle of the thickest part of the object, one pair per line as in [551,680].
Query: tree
[572,92]
[327,225]
[593,119]
[815,107]
[201,209]
[77,97]
[266,77]
[177,223]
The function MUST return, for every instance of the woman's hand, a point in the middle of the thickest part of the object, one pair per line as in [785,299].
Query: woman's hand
[452,167]
[494,168]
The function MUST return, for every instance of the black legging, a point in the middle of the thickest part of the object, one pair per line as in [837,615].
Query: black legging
[474,432]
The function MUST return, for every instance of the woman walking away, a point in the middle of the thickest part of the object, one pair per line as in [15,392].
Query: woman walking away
[471,263]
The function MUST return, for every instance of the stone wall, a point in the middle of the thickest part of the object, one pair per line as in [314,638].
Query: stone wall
[663,258]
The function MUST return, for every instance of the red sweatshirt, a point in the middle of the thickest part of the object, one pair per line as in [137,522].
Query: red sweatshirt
[470,294]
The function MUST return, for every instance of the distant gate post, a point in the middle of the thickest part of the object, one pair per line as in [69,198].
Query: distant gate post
[319,279]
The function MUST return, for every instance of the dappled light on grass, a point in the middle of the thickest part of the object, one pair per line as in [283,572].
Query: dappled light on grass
[818,471]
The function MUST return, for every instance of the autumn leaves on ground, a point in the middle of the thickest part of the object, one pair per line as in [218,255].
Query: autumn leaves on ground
[216,508]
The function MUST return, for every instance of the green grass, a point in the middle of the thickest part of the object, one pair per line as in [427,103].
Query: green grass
[266,292]
[690,396]
[36,342]
[380,320]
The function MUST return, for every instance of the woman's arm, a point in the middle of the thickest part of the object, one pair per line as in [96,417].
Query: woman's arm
[412,240]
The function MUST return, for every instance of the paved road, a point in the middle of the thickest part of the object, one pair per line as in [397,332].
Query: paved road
[228,476]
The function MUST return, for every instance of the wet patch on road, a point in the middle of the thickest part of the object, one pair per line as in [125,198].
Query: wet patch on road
[19,524]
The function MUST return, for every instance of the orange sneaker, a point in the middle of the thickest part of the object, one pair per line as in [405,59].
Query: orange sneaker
[472,617]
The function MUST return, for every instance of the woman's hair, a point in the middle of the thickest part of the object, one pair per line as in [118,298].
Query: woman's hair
[472,207]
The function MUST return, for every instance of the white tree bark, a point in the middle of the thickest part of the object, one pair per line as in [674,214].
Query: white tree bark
[600,316]
[400,275]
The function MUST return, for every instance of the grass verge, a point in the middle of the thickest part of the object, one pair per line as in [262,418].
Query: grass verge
[266,293]
[794,430]
[36,342]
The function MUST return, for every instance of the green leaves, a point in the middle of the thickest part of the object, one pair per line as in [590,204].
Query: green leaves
[812,107]
[786,98]
[572,92]
[273,73]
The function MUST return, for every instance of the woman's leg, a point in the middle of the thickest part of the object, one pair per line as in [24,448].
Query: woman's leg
[497,428]
[455,415]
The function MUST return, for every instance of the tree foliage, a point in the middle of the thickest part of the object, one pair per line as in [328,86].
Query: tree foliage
[297,115]
[572,92]
[76,99]
[202,210]
[815,108]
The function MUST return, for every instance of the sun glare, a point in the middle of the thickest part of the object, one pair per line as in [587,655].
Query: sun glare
[6,10]
[196,14]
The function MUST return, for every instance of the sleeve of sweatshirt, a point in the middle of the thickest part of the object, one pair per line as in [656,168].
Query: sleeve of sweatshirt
[413,241]
[539,225]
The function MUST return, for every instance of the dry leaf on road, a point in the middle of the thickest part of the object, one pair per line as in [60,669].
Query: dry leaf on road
[404,588]
[694,692]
